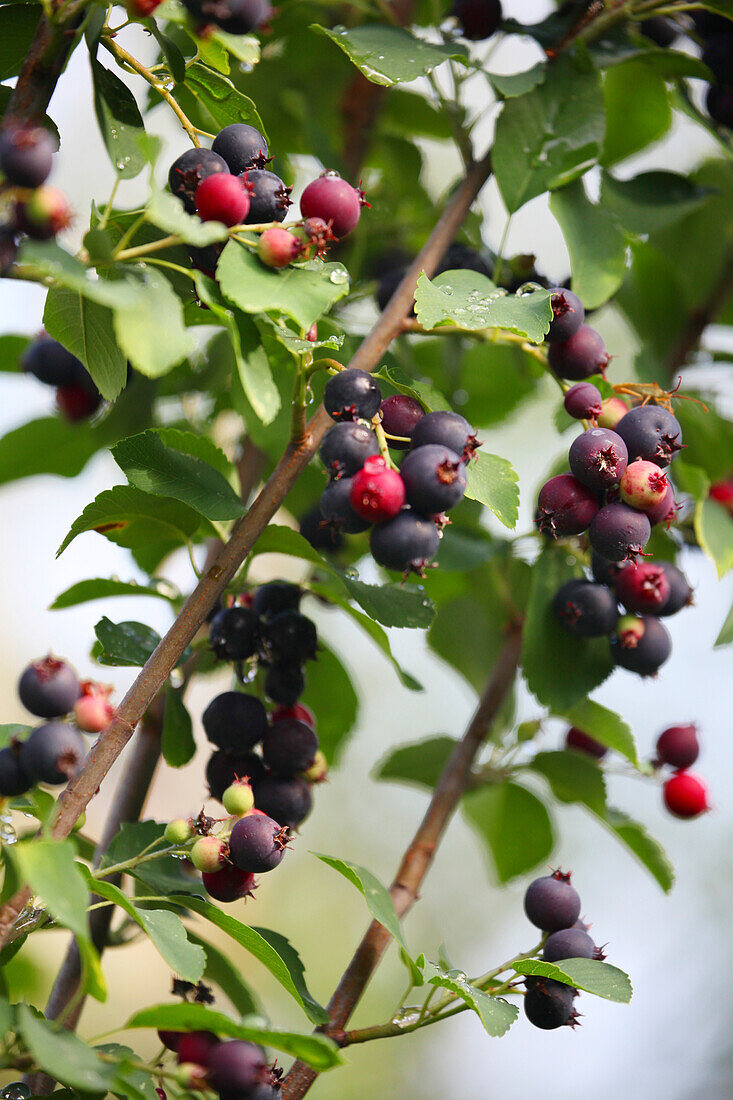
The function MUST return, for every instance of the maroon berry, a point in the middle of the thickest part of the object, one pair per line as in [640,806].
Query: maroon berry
[583,401]
[434,477]
[287,801]
[352,394]
[551,903]
[26,155]
[299,712]
[678,746]
[77,401]
[53,753]
[665,511]
[406,543]
[549,1004]
[642,587]
[377,492]
[197,1047]
[651,433]
[289,747]
[569,943]
[685,795]
[257,843]
[586,609]
[565,507]
[400,414]
[278,248]
[346,447]
[567,316]
[618,532]
[643,485]
[579,357]
[170,1039]
[478,19]
[641,649]
[241,147]
[223,198]
[335,201]
[237,1067]
[447,428]
[680,592]
[598,458]
[44,213]
[316,236]
[605,572]
[49,688]
[234,721]
[583,742]
[229,884]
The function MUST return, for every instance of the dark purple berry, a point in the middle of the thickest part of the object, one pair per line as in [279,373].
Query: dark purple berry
[188,171]
[236,1067]
[651,433]
[406,543]
[352,394]
[618,532]
[565,507]
[579,357]
[51,363]
[291,638]
[448,428]
[434,477]
[680,592]
[586,609]
[336,509]
[659,30]
[551,903]
[49,688]
[223,768]
[257,843]
[643,654]
[549,1004]
[287,801]
[400,414]
[718,56]
[233,16]
[26,155]
[569,943]
[284,684]
[462,257]
[719,104]
[235,633]
[234,721]
[477,19]
[321,535]
[241,146]
[583,742]
[270,599]
[567,315]
[604,571]
[269,198]
[598,458]
[13,777]
[290,747]
[678,746]
[206,259]
[583,401]
[53,753]
[265,1092]
[346,447]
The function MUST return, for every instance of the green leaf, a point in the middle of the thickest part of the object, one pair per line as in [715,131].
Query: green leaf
[420,763]
[131,518]
[498,377]
[221,99]
[597,248]
[513,823]
[177,741]
[389,55]
[572,778]
[253,367]
[651,200]
[62,1054]
[559,668]
[589,975]
[510,85]
[224,972]
[714,530]
[165,875]
[552,134]
[12,730]
[422,391]
[725,637]
[604,725]
[18,24]
[285,966]
[330,694]
[46,446]
[128,643]
[493,482]
[472,302]
[50,868]
[637,110]
[496,1014]
[174,59]
[12,346]
[645,848]
[304,292]
[120,122]
[245,47]
[152,334]
[167,213]
[52,262]
[85,329]
[316,1050]
[167,471]
[404,606]
[101,588]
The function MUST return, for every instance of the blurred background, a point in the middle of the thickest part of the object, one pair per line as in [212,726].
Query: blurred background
[674,1040]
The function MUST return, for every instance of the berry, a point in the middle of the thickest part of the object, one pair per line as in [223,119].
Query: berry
[400,415]
[346,447]
[318,533]
[434,477]
[78,402]
[170,1039]
[206,259]
[549,1004]
[567,316]
[196,1047]
[335,201]
[208,854]
[680,592]
[718,56]
[478,19]
[241,146]
[612,409]
[256,844]
[659,30]
[223,769]
[678,746]
[447,428]
[236,1067]
[336,509]
[265,1092]
[643,485]
[191,169]
[233,16]
[44,213]
[318,770]
[229,884]
[238,799]
[284,684]
[287,801]
[234,721]
[93,712]
[605,572]
[352,394]
[377,492]
[26,155]
[223,198]
[629,631]
[49,688]
[685,795]
[551,903]
[565,507]
[579,357]
[269,198]
[291,638]
[722,491]
[13,778]
[289,748]
[585,608]
[270,599]
[583,401]
[653,646]
[298,711]
[8,249]
[278,248]
[53,753]
[142,8]
[665,511]
[619,531]
[179,831]
[598,458]
[316,237]
[234,634]
[583,742]
[642,587]
[651,433]
[569,943]
[406,543]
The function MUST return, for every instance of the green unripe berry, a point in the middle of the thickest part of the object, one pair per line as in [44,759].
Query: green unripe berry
[191,1076]
[178,831]
[208,854]
[238,799]
[318,770]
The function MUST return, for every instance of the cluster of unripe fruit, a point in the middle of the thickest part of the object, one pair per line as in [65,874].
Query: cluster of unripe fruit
[77,397]
[31,208]
[233,1068]
[54,751]
[406,507]
[231,184]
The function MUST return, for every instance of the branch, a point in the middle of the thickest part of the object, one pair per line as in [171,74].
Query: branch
[418,857]
[244,534]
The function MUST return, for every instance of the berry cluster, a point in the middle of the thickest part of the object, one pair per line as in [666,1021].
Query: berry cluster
[406,507]
[54,751]
[34,209]
[553,905]
[231,1067]
[77,398]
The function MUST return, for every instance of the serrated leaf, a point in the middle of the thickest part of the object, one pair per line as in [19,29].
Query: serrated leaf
[245,47]
[422,391]
[492,481]
[590,975]
[514,824]
[572,778]
[404,606]
[177,740]
[496,1014]
[85,329]
[597,247]
[645,848]
[101,588]
[128,643]
[62,1054]
[604,725]
[131,518]
[472,302]
[389,55]
[651,200]
[714,530]
[420,763]
[167,212]
[225,103]
[152,334]
[120,121]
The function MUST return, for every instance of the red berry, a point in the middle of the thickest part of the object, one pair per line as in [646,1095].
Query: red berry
[298,711]
[665,511]
[223,198]
[377,493]
[44,214]
[312,333]
[93,712]
[678,746]
[335,201]
[278,248]
[143,8]
[196,1047]
[77,402]
[642,587]
[722,491]
[229,884]
[685,795]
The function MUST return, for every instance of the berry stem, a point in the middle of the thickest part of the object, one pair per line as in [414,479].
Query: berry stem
[384,446]
[146,249]
[300,393]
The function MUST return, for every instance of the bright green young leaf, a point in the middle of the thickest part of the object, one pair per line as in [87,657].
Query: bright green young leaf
[254,370]
[85,329]
[644,847]
[152,334]
[245,47]
[604,725]
[127,643]
[120,121]
[572,778]
[224,102]
[472,302]
[637,110]
[651,200]
[589,975]
[389,55]
[597,247]
[101,588]
[420,763]
[496,1014]
[50,867]
[130,517]
[493,482]
[167,213]
[514,825]
[62,1054]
